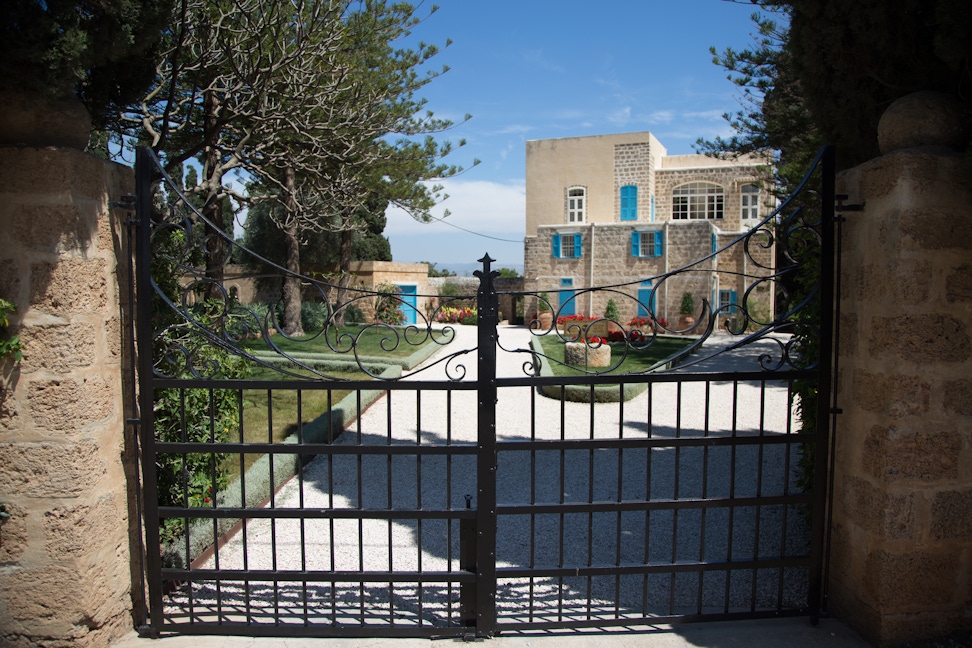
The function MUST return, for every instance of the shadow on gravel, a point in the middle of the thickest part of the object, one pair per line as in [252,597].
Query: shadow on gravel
[557,558]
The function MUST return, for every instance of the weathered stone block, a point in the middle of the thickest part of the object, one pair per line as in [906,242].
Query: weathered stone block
[849,334]
[910,582]
[958,285]
[51,171]
[936,229]
[9,410]
[69,287]
[71,532]
[49,469]
[57,348]
[10,281]
[68,404]
[921,338]
[34,597]
[874,510]
[958,396]
[58,606]
[900,283]
[952,515]
[893,454]
[893,395]
[13,534]
[53,228]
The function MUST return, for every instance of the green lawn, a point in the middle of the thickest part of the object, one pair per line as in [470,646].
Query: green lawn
[377,341]
[257,415]
[637,360]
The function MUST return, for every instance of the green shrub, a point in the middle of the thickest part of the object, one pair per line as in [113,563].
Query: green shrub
[313,315]
[193,415]
[387,305]
[470,319]
[611,310]
[8,346]
[353,315]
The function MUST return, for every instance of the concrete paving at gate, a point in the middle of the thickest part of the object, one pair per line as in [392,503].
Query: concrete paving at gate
[338,482]
[767,633]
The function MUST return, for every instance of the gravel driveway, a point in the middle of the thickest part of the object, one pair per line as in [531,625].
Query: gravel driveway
[549,539]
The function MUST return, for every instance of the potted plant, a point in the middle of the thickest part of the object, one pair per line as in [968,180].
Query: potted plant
[612,316]
[544,316]
[686,318]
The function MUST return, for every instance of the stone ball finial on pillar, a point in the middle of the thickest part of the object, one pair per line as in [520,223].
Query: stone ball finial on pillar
[923,119]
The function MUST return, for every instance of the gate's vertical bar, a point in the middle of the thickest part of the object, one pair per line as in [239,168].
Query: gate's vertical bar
[144,170]
[486,459]
[824,379]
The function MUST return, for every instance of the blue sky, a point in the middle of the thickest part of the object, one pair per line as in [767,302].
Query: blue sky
[537,69]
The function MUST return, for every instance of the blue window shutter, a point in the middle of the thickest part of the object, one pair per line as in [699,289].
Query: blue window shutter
[658,243]
[556,246]
[629,202]
[732,300]
[635,244]
[577,246]
[715,243]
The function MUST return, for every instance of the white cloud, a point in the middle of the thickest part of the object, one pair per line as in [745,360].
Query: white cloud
[660,117]
[621,116]
[513,129]
[476,205]
[710,115]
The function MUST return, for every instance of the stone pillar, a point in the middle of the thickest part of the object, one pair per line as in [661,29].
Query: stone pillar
[65,564]
[902,523]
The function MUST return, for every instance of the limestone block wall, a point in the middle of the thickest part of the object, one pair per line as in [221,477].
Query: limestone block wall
[370,274]
[634,165]
[65,574]
[902,522]
[730,178]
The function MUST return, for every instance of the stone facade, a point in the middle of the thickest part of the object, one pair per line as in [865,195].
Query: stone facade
[64,464]
[902,521]
[601,166]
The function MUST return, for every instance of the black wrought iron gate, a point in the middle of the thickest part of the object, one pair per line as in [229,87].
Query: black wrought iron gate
[288,493]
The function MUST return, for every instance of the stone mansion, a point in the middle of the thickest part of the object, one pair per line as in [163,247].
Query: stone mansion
[616,210]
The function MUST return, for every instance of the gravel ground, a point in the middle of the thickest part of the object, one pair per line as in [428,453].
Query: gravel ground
[545,540]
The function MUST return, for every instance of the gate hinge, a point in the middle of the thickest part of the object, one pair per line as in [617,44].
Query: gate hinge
[126,202]
[856,207]
[836,410]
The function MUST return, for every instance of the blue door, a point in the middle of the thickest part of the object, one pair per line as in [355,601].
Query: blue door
[568,305]
[646,301]
[409,305]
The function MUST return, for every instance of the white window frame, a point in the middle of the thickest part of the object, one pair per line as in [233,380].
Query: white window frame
[749,202]
[698,201]
[576,204]
[567,250]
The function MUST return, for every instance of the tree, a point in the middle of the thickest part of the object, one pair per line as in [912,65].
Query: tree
[319,249]
[307,97]
[103,52]
[435,272]
[824,72]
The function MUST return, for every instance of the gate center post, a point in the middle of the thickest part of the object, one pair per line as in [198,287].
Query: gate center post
[486,460]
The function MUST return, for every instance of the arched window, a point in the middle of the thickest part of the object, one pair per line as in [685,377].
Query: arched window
[576,204]
[749,201]
[697,201]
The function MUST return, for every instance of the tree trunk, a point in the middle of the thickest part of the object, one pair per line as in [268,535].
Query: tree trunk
[345,277]
[213,208]
[291,324]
